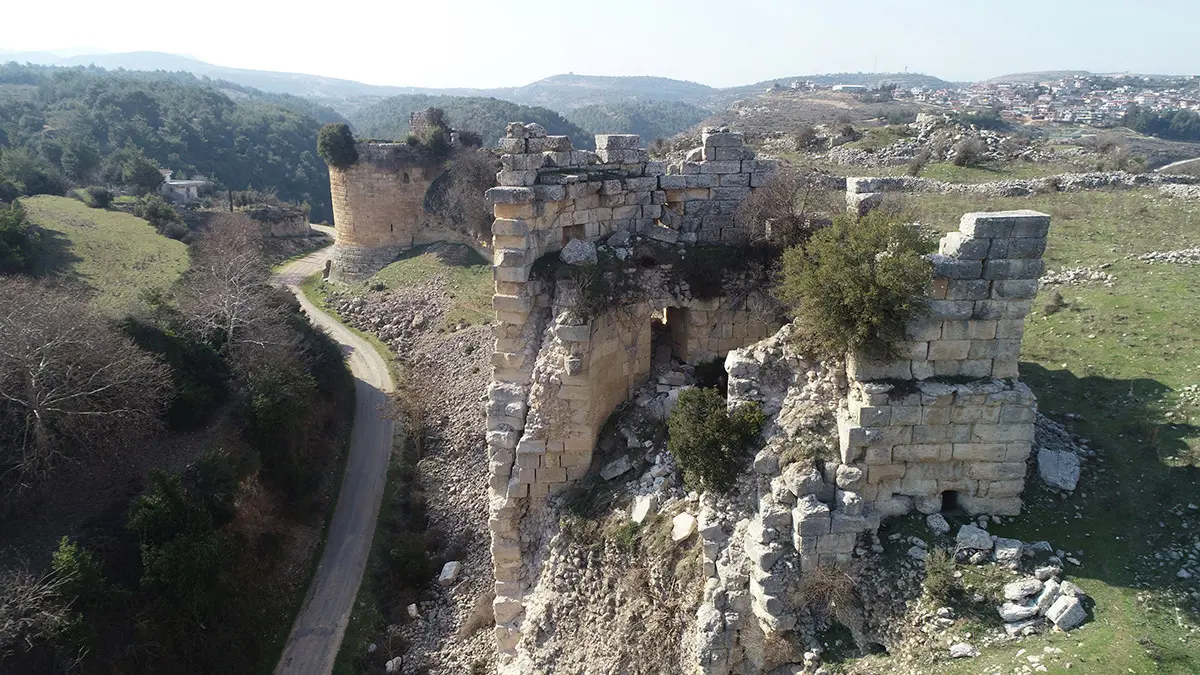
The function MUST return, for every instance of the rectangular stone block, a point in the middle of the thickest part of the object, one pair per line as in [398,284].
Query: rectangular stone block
[725,139]
[951,309]
[980,452]
[955,268]
[1001,433]
[932,434]
[509,195]
[879,473]
[906,415]
[924,330]
[968,289]
[1026,247]
[996,470]
[721,167]
[964,247]
[618,141]
[1017,452]
[1015,289]
[940,350]
[921,452]
[1013,269]
[1017,414]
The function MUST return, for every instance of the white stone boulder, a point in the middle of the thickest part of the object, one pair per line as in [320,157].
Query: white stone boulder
[1058,468]
[393,665]
[682,527]
[1021,589]
[643,507]
[937,524]
[974,538]
[615,468]
[579,252]
[1067,613]
[1011,612]
[962,650]
[450,572]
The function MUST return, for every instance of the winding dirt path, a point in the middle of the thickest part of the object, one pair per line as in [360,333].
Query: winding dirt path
[317,632]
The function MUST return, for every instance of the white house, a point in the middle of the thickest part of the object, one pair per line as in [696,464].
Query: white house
[180,191]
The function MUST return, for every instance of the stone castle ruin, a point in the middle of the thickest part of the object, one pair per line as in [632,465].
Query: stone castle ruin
[607,263]
[393,198]
[947,426]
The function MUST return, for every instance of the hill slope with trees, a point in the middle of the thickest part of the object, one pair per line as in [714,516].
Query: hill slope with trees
[388,119]
[61,127]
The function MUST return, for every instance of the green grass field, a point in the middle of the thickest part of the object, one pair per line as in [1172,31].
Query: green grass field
[1118,358]
[468,277]
[115,255]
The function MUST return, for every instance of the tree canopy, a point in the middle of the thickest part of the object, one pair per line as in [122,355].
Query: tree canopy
[88,125]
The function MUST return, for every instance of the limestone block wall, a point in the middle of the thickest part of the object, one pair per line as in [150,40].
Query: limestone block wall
[378,210]
[557,374]
[985,277]
[710,329]
[947,418]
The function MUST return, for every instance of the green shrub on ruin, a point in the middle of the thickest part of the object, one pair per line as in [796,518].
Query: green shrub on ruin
[709,442]
[335,144]
[855,284]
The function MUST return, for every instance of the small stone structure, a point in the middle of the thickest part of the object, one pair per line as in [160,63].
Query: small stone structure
[379,210]
[923,442]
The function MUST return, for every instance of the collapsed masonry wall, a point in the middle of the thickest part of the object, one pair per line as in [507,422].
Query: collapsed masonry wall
[558,372]
[967,436]
[379,212]
[946,424]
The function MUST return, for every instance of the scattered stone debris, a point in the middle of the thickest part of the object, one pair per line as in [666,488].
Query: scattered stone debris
[450,572]
[1074,276]
[1186,256]
[579,252]
[1058,468]
[962,650]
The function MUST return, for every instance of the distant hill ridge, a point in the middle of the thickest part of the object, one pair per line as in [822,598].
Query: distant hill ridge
[558,92]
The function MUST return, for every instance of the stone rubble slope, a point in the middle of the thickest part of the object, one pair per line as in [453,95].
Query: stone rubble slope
[451,370]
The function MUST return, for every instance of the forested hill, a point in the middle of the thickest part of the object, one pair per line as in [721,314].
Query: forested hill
[82,126]
[388,119]
[648,119]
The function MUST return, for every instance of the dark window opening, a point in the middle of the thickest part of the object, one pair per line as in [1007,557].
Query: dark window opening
[405,177]
[391,227]
[949,501]
[647,261]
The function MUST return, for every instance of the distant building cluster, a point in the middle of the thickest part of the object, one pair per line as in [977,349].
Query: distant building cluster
[1099,100]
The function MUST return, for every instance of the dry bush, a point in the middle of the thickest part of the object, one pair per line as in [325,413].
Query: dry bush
[968,152]
[226,291]
[31,608]
[830,594]
[71,384]
[796,203]
[459,193]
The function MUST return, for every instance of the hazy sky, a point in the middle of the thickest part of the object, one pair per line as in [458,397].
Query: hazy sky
[487,43]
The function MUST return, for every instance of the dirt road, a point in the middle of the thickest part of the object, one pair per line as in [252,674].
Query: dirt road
[317,632]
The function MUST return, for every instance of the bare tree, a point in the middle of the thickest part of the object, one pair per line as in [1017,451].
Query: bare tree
[70,383]
[226,291]
[30,607]
[795,204]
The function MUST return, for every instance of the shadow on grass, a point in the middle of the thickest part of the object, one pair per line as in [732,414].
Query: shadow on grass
[449,254]
[1132,500]
[56,258]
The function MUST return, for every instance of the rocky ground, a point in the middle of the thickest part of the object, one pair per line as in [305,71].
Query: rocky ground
[446,369]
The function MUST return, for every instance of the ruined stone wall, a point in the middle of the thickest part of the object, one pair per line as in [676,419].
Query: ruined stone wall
[558,373]
[948,419]
[378,210]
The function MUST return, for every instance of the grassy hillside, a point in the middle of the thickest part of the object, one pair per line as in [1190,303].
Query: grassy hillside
[117,256]
[388,119]
[1119,358]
